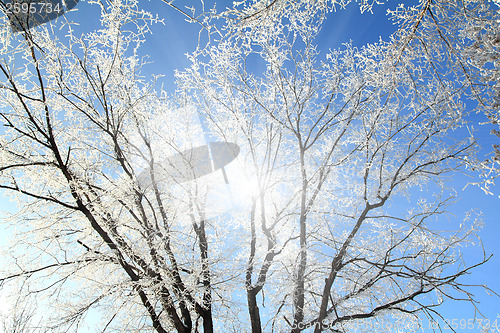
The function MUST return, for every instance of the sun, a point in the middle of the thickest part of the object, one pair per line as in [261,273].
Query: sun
[233,188]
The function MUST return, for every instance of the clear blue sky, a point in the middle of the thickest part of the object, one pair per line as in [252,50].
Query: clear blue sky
[170,42]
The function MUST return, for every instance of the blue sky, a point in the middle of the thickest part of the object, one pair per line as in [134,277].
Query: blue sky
[169,43]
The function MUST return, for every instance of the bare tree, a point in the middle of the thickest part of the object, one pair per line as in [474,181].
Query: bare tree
[356,132]
[75,113]
[330,216]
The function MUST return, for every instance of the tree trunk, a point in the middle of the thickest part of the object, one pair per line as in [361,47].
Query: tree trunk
[253,310]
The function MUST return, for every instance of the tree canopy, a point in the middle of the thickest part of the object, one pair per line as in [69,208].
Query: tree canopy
[279,188]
